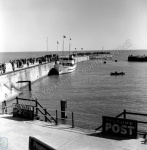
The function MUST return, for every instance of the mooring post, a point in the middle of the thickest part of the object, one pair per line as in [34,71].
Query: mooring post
[30,86]
[63,109]
[16,100]
[73,120]
[56,117]
[124,114]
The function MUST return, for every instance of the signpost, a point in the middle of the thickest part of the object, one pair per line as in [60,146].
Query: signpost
[119,127]
[23,111]
[35,144]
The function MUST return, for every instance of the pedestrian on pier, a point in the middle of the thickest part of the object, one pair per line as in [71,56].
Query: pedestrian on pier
[0,68]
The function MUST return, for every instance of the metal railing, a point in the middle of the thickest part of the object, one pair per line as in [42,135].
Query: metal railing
[124,115]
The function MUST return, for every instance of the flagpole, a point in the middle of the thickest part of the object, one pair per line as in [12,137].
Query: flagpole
[69,45]
[63,45]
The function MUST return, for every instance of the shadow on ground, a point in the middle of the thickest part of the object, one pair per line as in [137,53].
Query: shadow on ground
[14,118]
[112,137]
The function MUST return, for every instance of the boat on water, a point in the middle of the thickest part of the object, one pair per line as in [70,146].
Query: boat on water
[66,64]
[132,58]
[117,73]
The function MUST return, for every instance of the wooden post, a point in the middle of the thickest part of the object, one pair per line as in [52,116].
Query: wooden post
[5,107]
[56,117]
[124,114]
[63,109]
[16,100]
[73,120]
[45,114]
[30,86]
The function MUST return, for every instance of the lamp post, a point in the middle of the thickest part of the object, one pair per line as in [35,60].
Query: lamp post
[63,43]
[69,45]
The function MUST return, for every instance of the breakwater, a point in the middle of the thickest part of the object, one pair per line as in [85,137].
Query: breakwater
[9,87]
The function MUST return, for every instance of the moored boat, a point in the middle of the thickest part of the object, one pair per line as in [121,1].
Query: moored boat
[66,64]
[132,58]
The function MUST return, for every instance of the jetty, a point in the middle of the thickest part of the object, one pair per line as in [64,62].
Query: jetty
[21,129]
[16,133]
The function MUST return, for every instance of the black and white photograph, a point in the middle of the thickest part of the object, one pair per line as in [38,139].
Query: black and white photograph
[73,74]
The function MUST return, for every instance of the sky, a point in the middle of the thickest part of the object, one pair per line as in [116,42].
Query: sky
[25,25]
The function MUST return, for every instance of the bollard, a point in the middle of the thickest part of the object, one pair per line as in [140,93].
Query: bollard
[30,86]
[56,117]
[16,100]
[73,120]
[63,109]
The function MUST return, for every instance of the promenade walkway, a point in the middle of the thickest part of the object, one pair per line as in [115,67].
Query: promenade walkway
[9,66]
[61,137]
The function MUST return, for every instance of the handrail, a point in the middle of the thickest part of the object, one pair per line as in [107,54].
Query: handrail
[51,117]
[129,113]
[47,113]
[25,99]
[140,114]
[116,117]
[39,104]
[44,115]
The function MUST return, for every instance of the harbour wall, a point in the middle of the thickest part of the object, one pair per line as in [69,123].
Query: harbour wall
[84,58]
[9,87]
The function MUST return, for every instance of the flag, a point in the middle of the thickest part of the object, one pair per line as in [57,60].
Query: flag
[57,42]
[64,36]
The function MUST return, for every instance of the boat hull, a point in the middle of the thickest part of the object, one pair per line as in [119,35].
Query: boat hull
[64,69]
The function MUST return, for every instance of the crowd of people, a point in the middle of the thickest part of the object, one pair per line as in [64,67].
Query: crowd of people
[19,63]
[2,68]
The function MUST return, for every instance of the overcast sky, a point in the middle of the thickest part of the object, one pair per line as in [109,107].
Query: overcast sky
[91,24]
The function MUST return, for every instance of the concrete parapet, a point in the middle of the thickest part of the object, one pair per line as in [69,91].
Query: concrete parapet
[83,58]
[9,80]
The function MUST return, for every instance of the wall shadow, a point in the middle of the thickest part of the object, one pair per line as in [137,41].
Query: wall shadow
[15,118]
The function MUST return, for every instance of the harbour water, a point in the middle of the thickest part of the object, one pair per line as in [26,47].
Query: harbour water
[94,93]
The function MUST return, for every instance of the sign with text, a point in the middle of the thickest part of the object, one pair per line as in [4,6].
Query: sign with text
[35,144]
[23,111]
[120,127]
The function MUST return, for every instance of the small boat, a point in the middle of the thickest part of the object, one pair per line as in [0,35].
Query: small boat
[117,73]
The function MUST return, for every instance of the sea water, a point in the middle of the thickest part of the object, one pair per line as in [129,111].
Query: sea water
[93,92]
